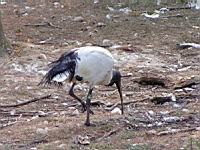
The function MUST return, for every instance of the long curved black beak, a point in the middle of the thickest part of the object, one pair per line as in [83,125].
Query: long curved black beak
[116,79]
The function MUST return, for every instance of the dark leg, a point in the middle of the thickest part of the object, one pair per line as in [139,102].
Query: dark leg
[71,93]
[87,122]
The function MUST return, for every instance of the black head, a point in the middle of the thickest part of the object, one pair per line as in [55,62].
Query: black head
[116,79]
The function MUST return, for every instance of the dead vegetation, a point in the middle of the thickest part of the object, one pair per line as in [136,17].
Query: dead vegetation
[160,83]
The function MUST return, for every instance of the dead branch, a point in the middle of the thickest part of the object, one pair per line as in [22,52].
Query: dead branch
[45,24]
[161,100]
[7,124]
[171,16]
[152,81]
[176,131]
[178,8]
[187,84]
[111,107]
[34,142]
[25,102]
[109,133]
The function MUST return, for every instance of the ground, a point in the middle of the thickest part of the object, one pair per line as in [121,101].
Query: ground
[41,33]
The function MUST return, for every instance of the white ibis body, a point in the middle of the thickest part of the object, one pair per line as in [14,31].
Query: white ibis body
[90,64]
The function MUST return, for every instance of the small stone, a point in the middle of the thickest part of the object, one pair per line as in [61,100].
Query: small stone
[82,140]
[185,110]
[41,113]
[65,104]
[116,111]
[171,119]
[75,113]
[96,1]
[63,113]
[12,112]
[71,108]
[101,24]
[125,10]
[107,42]
[46,122]
[42,131]
[56,4]
[159,124]
[91,34]
[88,44]
[109,16]
[79,19]
[63,146]
[151,113]
[198,128]
[176,105]
[152,131]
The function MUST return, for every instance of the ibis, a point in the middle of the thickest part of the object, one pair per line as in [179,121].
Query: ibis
[90,64]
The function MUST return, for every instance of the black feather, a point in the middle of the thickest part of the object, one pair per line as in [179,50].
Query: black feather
[65,64]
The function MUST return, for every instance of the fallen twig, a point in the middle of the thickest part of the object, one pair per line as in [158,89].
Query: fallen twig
[187,83]
[25,102]
[109,133]
[178,8]
[170,16]
[111,107]
[177,131]
[45,24]
[188,45]
[152,81]
[7,124]
[34,142]
[161,100]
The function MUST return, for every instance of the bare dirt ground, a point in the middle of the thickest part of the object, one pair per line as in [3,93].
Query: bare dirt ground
[41,33]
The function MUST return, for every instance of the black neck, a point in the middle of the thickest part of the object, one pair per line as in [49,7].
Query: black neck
[116,78]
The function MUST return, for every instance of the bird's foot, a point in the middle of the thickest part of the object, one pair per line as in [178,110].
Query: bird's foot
[87,123]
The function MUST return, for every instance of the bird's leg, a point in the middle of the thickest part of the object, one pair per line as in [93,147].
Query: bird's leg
[89,96]
[71,93]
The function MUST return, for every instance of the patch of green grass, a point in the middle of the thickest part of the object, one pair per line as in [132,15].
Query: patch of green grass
[179,113]
[181,1]
[106,127]
[192,144]
[138,147]
[126,134]
[18,30]
[101,146]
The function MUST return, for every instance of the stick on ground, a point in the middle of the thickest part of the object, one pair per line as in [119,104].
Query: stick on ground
[25,102]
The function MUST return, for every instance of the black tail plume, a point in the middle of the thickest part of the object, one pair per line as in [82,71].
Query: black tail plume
[64,65]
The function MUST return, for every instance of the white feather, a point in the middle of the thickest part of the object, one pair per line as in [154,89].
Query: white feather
[61,77]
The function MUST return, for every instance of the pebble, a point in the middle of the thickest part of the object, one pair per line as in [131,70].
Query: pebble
[185,110]
[79,19]
[107,42]
[152,113]
[75,112]
[63,146]
[43,131]
[116,111]
[171,119]
[101,24]
[82,140]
